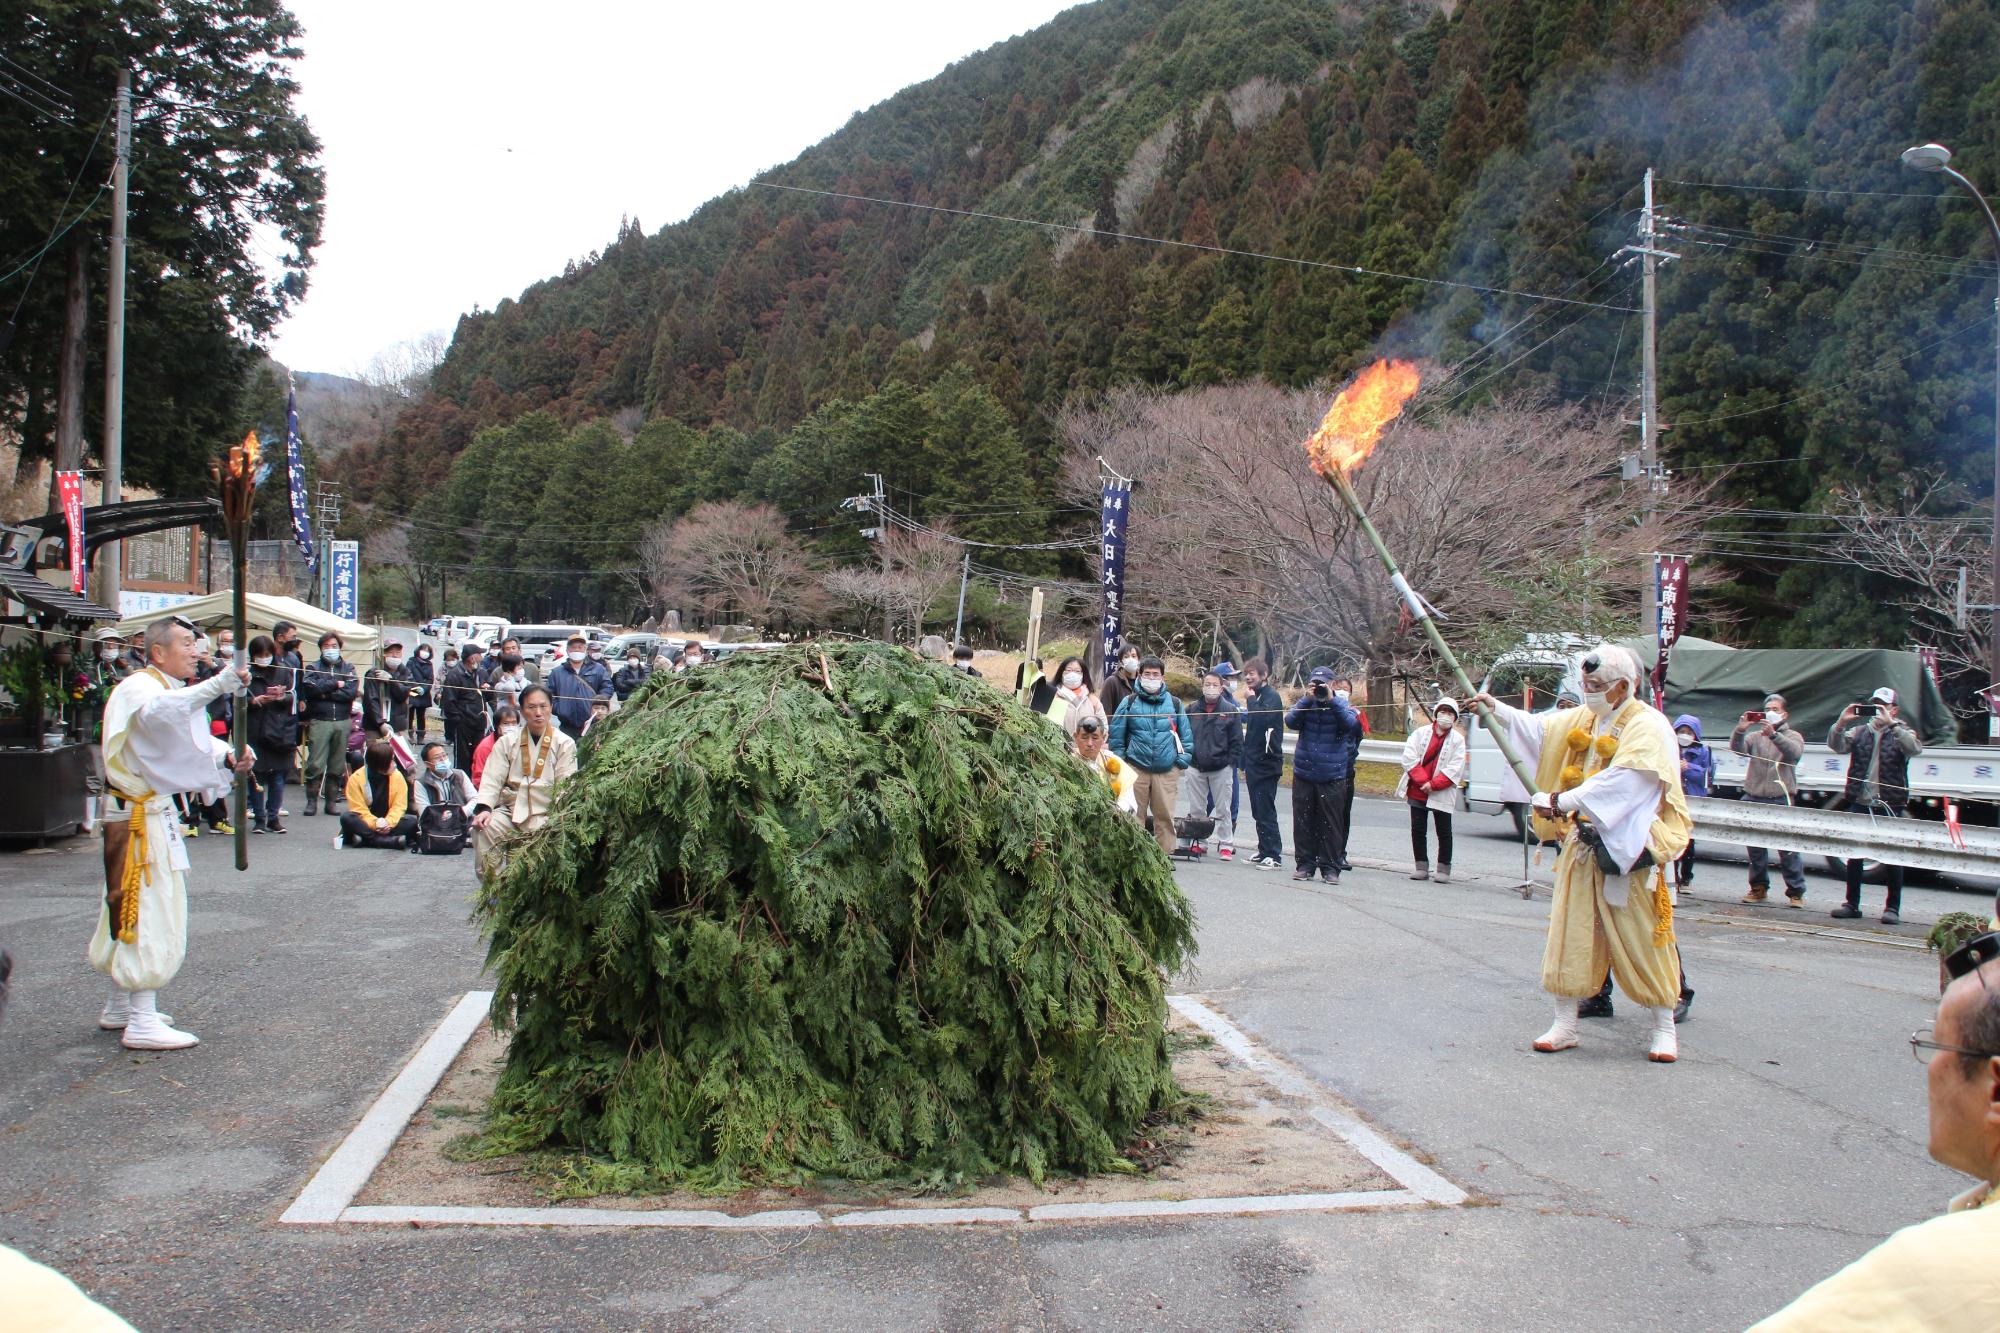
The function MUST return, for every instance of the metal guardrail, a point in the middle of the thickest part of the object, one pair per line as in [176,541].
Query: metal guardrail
[1916,844]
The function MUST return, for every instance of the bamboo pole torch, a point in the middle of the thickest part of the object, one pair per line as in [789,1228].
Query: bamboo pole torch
[1343,442]
[236,478]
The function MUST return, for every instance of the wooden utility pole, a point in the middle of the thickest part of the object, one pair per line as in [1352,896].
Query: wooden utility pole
[114,338]
[69,364]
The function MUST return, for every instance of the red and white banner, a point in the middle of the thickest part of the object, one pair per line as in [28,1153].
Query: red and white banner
[69,487]
[1928,656]
[1670,575]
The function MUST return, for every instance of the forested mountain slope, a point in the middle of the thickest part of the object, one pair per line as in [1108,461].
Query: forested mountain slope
[1828,324]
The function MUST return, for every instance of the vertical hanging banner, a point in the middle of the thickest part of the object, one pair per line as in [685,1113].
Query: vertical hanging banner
[1670,574]
[346,580]
[1117,508]
[1928,656]
[295,473]
[69,487]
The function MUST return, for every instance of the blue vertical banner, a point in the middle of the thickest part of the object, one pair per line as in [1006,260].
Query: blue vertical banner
[346,580]
[295,473]
[1116,510]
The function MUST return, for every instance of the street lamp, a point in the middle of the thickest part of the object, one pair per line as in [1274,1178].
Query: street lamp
[1935,158]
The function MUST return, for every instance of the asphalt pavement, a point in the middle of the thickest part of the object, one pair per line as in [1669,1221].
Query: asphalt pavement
[1610,1192]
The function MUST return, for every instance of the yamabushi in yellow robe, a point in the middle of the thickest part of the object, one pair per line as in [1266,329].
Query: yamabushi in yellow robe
[1634,800]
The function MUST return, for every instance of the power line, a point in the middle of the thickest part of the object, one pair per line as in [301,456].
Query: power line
[61,229]
[1081,230]
[1801,189]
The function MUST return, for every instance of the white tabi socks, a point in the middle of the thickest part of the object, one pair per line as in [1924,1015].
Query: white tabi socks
[148,1030]
[1562,1036]
[118,1011]
[1666,1043]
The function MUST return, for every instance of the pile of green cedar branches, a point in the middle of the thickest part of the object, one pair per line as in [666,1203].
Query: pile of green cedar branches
[832,912]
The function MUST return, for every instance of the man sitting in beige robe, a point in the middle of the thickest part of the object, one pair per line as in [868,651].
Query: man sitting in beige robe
[519,784]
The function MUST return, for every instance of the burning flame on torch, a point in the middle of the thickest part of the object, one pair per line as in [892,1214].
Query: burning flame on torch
[1359,415]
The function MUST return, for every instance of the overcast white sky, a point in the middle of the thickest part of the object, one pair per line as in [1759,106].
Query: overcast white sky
[473,146]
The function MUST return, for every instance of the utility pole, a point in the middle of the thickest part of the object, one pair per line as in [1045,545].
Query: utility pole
[328,517]
[114,337]
[877,502]
[1647,470]
[964,577]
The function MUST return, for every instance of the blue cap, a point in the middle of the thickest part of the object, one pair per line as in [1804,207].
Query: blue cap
[1223,669]
[1322,676]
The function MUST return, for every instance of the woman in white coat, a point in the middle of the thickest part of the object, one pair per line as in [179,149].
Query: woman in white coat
[1433,772]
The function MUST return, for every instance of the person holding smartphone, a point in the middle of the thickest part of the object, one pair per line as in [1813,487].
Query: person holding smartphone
[1879,746]
[273,729]
[1772,778]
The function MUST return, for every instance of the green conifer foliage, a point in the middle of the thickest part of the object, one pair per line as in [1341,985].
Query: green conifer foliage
[833,911]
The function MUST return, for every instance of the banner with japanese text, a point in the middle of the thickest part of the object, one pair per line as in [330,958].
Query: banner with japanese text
[346,580]
[1117,508]
[1671,579]
[69,486]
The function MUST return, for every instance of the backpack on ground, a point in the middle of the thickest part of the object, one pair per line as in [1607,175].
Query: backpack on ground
[442,829]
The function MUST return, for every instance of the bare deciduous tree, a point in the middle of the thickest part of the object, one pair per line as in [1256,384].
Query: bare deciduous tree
[1510,520]
[729,557]
[1914,544]
[916,569]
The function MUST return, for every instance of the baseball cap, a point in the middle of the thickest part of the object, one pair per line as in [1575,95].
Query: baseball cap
[1322,676]
[1885,695]
[1223,669]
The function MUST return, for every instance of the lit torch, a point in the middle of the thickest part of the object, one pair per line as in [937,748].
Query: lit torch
[236,477]
[1353,425]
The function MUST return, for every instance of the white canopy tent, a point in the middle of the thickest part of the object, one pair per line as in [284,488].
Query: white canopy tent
[261,612]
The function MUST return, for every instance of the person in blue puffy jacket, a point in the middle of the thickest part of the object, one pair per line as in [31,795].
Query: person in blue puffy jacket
[1697,768]
[1150,731]
[1329,731]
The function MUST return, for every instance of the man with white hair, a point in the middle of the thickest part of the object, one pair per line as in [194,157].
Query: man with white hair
[1608,775]
[156,743]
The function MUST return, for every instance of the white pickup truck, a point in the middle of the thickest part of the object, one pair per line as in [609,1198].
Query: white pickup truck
[1817,685]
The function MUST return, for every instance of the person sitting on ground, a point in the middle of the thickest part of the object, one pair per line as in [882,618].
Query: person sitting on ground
[1073,700]
[378,802]
[1117,774]
[506,728]
[1697,768]
[1217,724]
[1937,1275]
[1434,760]
[1772,778]
[441,782]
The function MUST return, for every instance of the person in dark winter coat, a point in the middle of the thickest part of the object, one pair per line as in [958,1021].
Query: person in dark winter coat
[1263,759]
[1329,731]
[273,729]
[1218,743]
[1119,683]
[462,699]
[1879,746]
[423,675]
[327,688]
[630,676]
[1150,731]
[574,684]
[1697,768]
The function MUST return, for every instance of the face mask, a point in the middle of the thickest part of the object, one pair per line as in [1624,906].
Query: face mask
[1130,665]
[1211,692]
[330,654]
[260,661]
[424,654]
[1686,738]
[631,661]
[1776,719]
[1152,686]
[393,662]
[226,651]
[442,767]
[1446,721]
[1598,702]
[695,659]
[576,655]
[596,651]
[1341,695]
[1072,679]
[108,654]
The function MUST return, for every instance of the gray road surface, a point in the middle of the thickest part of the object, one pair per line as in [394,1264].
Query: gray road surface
[1615,1193]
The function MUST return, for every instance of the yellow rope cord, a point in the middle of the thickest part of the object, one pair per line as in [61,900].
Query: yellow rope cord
[1663,909]
[138,870]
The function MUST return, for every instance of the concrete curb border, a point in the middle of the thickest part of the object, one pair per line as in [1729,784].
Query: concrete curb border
[328,1197]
